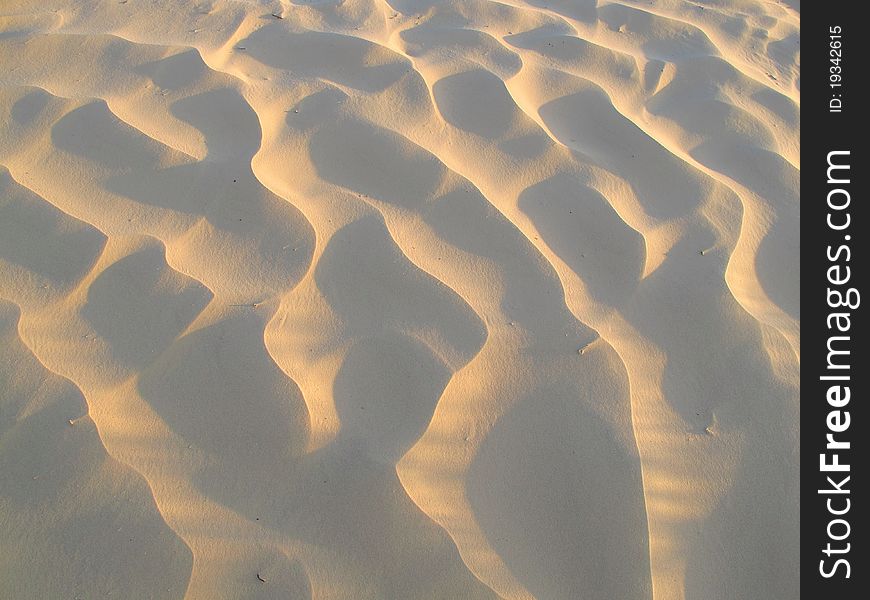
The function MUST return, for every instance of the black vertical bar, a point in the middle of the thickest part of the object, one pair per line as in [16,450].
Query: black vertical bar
[834,369]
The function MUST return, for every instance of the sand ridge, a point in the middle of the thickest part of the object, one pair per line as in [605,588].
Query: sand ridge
[406,299]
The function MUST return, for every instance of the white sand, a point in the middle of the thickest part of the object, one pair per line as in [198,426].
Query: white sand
[399,299]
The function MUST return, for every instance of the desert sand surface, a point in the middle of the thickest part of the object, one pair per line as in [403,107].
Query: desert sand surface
[399,299]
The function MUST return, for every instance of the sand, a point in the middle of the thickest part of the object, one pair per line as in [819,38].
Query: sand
[399,299]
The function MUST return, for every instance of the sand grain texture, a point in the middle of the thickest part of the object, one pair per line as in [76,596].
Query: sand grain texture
[399,299]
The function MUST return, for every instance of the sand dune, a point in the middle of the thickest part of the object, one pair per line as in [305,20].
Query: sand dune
[399,299]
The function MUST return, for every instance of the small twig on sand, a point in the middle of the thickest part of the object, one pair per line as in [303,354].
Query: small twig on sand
[260,578]
[585,347]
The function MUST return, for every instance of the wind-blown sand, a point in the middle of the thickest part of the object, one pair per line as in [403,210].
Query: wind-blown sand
[399,299]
